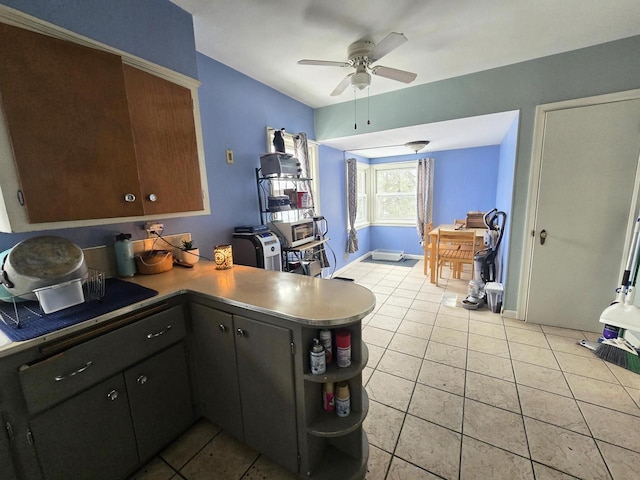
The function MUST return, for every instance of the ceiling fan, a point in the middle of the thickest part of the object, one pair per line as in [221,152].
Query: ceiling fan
[361,55]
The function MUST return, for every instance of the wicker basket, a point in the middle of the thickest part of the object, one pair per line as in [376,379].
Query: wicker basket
[154,261]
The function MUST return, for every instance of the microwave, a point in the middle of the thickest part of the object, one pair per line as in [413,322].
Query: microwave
[294,233]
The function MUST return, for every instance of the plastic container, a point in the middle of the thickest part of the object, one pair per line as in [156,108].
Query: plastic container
[494,291]
[124,255]
[449,299]
[61,296]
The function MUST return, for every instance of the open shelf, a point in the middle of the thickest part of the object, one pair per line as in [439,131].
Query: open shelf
[337,374]
[337,464]
[328,424]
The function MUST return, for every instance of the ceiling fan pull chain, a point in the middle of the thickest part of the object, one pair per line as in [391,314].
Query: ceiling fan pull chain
[368,115]
[355,110]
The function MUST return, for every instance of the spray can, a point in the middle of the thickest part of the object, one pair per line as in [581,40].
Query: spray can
[328,400]
[343,348]
[342,399]
[325,340]
[317,358]
[124,255]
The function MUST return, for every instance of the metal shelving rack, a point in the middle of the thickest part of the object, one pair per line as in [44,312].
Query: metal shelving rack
[294,259]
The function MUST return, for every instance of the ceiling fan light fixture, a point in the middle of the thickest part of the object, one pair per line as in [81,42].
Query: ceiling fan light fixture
[360,80]
[417,145]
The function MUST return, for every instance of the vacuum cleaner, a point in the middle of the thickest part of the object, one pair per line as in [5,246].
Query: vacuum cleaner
[484,261]
[622,313]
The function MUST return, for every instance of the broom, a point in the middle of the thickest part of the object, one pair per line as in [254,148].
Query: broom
[621,352]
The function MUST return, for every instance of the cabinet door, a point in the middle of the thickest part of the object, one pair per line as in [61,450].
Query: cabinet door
[265,370]
[165,142]
[66,110]
[6,460]
[214,361]
[160,399]
[88,436]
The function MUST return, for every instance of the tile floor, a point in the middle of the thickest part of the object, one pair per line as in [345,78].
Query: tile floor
[459,394]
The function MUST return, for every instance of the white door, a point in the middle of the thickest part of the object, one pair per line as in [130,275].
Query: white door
[587,178]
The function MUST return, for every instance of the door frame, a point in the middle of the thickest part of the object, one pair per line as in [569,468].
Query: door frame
[534,186]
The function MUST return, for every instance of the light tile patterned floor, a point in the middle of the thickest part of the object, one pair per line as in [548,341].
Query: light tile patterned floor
[459,394]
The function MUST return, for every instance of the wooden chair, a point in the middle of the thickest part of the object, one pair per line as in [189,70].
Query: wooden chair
[455,247]
[427,246]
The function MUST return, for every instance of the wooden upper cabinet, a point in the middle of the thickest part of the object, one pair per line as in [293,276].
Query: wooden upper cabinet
[65,106]
[90,137]
[165,143]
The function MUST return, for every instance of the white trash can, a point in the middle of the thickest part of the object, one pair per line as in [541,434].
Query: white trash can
[494,291]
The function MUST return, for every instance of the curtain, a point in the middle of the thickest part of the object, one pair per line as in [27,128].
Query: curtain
[352,204]
[424,195]
[301,152]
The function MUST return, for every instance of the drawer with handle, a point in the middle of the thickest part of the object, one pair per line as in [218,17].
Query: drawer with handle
[77,368]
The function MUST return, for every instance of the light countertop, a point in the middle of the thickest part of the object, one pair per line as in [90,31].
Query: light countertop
[298,298]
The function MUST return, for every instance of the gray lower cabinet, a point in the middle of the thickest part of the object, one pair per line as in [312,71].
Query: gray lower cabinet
[89,436]
[6,450]
[160,399]
[245,376]
[106,431]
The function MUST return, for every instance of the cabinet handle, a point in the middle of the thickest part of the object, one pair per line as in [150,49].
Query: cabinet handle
[59,378]
[153,197]
[241,333]
[142,379]
[222,328]
[161,332]
[112,395]
[129,197]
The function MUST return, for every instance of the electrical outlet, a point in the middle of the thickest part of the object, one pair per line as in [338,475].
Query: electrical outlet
[154,229]
[229,156]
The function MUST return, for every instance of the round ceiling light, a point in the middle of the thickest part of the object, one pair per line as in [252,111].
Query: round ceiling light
[417,145]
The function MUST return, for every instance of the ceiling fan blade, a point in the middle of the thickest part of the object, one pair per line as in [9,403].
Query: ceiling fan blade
[386,45]
[394,74]
[323,63]
[346,81]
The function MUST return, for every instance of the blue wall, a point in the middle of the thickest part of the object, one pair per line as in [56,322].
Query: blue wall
[156,30]
[504,192]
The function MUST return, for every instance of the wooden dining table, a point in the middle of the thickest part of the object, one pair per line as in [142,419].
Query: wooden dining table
[433,241]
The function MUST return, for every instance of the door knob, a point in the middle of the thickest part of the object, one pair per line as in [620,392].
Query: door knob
[142,379]
[222,328]
[543,236]
[241,333]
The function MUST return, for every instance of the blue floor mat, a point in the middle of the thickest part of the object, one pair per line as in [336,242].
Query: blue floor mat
[34,323]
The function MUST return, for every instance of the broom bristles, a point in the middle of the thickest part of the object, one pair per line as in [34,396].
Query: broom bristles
[620,357]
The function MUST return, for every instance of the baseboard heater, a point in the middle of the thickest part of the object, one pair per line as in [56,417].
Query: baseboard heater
[388,255]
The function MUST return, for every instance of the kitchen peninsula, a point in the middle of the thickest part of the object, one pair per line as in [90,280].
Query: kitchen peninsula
[229,345]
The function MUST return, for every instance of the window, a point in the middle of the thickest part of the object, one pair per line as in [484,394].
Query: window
[394,186]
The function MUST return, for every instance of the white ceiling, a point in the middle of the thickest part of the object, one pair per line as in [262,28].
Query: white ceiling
[265,39]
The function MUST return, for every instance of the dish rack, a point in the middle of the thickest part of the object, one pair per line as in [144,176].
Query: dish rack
[54,298]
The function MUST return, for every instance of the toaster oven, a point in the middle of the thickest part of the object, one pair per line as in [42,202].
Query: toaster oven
[295,233]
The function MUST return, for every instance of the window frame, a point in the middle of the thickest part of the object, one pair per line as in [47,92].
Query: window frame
[375,168]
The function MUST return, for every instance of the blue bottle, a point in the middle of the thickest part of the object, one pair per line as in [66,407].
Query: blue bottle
[124,255]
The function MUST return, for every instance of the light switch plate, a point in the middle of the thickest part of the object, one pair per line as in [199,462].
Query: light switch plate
[229,156]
